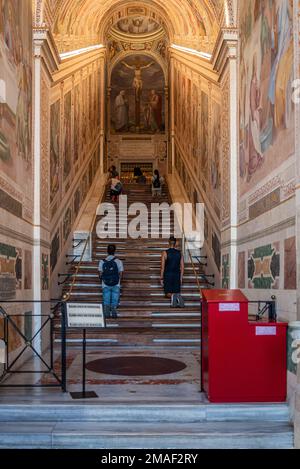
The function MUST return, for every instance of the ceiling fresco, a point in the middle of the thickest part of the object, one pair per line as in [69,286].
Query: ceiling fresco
[78,23]
[137,25]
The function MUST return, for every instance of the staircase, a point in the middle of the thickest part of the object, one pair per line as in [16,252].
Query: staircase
[145,316]
[155,426]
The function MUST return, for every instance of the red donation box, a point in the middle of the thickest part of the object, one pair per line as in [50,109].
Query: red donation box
[242,360]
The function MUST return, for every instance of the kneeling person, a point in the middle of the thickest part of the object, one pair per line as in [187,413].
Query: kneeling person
[111,270]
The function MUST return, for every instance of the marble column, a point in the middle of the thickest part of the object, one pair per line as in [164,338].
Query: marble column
[37,248]
[233,112]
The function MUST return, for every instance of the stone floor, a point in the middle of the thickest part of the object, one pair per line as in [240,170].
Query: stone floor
[182,386]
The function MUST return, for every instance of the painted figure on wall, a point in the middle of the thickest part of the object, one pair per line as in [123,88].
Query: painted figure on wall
[216,147]
[204,135]
[54,149]
[121,113]
[16,90]
[137,97]
[266,71]
[67,135]
[138,80]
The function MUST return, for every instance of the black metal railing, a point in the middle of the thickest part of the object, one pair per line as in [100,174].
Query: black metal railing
[266,307]
[18,364]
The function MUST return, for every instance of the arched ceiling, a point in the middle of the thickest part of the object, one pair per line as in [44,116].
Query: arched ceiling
[80,23]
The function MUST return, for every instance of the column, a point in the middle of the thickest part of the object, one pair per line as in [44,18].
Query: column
[37,255]
[234,123]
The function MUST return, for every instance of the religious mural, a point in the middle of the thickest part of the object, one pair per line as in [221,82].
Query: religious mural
[266,75]
[77,123]
[67,134]
[204,145]
[28,270]
[55,248]
[67,223]
[216,148]
[54,149]
[10,271]
[45,272]
[137,25]
[16,91]
[137,96]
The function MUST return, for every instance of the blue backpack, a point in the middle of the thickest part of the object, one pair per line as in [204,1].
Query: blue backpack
[110,274]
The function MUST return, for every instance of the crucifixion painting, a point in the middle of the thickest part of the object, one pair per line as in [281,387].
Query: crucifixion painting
[137,85]
[137,95]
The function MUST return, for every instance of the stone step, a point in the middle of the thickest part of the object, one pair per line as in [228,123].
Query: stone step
[128,412]
[99,435]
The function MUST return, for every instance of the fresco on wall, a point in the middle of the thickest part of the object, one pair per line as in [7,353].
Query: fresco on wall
[216,247]
[204,135]
[45,272]
[266,75]
[77,202]
[241,270]
[216,139]
[16,92]
[28,270]
[54,149]
[85,103]
[55,247]
[67,134]
[77,123]
[290,264]
[225,272]
[137,25]
[67,223]
[10,271]
[137,96]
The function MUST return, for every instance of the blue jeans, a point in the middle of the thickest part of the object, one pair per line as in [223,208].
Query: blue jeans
[111,296]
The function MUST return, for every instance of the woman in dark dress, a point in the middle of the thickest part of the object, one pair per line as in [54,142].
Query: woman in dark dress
[172,269]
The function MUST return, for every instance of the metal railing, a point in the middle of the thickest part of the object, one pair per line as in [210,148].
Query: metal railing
[30,343]
[80,257]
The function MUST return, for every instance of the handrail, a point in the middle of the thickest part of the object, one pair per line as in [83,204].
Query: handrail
[195,272]
[67,296]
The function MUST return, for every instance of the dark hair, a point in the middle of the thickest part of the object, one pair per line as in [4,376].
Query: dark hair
[156,172]
[173,240]
[111,250]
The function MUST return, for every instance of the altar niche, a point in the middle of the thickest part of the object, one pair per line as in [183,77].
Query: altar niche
[137,96]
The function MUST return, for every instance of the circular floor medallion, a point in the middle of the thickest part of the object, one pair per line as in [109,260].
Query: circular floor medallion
[136,366]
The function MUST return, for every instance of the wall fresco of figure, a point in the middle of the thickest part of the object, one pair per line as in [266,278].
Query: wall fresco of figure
[216,148]
[266,75]
[54,149]
[16,95]
[137,96]
[77,123]
[204,134]
[67,134]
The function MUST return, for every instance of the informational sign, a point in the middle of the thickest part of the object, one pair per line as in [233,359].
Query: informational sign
[263,331]
[229,307]
[85,316]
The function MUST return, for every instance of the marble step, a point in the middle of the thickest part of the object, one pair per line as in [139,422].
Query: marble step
[119,412]
[110,435]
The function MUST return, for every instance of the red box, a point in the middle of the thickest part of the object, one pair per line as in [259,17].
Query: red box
[242,361]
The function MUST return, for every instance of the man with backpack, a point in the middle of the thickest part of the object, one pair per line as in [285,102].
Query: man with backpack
[111,270]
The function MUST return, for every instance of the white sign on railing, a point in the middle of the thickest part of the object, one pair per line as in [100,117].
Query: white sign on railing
[85,316]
